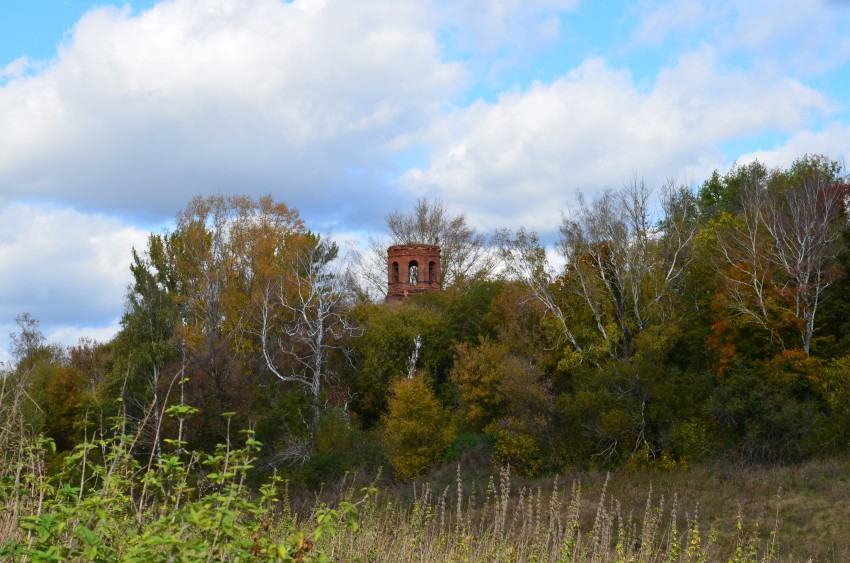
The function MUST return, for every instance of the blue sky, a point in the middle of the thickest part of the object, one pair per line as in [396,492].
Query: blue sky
[116,113]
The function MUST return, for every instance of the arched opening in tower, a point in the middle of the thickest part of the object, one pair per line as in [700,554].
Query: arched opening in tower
[413,272]
[432,272]
[395,272]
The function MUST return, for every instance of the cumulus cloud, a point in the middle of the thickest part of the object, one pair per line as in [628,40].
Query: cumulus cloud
[486,27]
[518,161]
[806,37]
[139,112]
[833,142]
[681,18]
[63,266]
[325,104]
[15,69]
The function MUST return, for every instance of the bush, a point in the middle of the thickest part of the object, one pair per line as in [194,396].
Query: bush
[519,451]
[466,443]
[105,505]
[418,429]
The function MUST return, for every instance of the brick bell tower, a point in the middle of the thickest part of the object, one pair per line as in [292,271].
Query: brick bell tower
[412,269]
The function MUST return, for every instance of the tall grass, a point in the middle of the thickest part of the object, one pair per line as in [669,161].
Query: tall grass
[527,524]
[109,501]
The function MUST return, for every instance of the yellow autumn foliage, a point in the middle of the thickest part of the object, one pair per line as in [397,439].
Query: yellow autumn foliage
[418,429]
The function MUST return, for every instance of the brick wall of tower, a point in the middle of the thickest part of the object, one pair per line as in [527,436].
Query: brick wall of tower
[421,259]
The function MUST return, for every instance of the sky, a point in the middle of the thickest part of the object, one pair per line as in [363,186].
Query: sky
[114,114]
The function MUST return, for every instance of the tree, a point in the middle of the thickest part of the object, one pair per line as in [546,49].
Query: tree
[623,267]
[23,385]
[722,194]
[803,222]
[525,259]
[25,344]
[622,264]
[519,322]
[195,293]
[384,350]
[508,397]
[16,402]
[303,319]
[832,336]
[222,255]
[418,429]
[777,254]
[148,326]
[496,385]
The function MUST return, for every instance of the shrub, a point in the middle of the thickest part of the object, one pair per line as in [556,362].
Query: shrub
[107,505]
[519,451]
[418,429]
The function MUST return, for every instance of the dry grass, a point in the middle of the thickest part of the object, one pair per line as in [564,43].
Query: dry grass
[197,507]
[808,504]
[794,513]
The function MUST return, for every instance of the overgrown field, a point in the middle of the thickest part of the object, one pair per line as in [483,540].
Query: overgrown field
[107,505]
[793,513]
[677,346]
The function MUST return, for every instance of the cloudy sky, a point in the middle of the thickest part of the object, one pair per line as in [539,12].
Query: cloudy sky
[114,114]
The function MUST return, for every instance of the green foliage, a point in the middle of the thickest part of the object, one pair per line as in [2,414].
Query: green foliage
[519,451]
[479,373]
[189,506]
[646,460]
[417,428]
[520,323]
[832,336]
[333,431]
[64,406]
[759,414]
[465,306]
[695,439]
[385,347]
[340,449]
[469,443]
[649,348]
[721,194]
[442,320]
[834,389]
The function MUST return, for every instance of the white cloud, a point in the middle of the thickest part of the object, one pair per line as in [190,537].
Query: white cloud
[316,101]
[63,267]
[520,160]
[15,69]
[64,335]
[680,18]
[807,37]
[490,26]
[140,112]
[833,142]
[70,335]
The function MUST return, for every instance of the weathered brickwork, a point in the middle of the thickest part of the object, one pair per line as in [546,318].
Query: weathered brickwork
[412,269]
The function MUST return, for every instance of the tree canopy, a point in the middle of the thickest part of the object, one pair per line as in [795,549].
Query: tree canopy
[684,324]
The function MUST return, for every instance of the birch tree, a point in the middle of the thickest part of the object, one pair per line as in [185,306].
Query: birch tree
[624,260]
[778,254]
[524,258]
[194,295]
[303,319]
[623,265]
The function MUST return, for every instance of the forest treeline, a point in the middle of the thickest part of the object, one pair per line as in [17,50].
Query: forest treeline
[685,325]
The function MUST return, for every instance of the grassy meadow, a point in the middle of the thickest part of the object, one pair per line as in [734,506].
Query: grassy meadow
[706,513]
[105,504]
